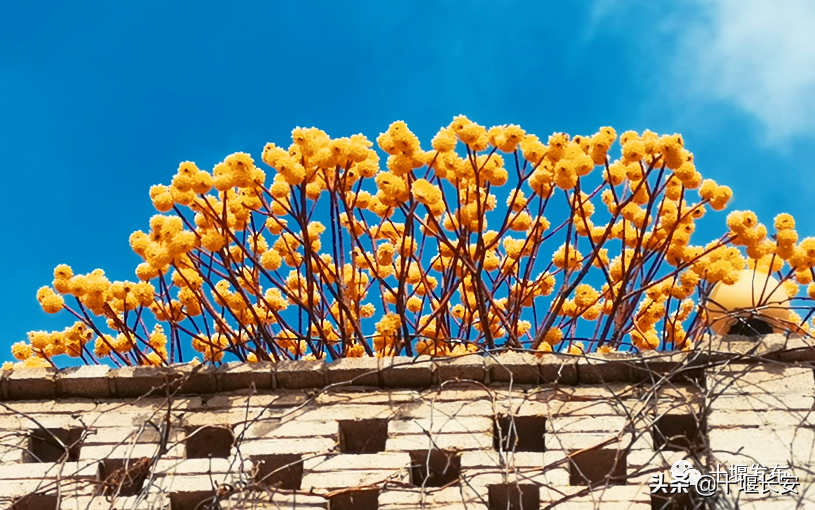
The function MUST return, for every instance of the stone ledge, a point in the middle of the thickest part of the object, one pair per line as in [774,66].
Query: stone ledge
[400,372]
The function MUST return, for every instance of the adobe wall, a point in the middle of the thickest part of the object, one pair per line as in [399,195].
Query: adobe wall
[475,432]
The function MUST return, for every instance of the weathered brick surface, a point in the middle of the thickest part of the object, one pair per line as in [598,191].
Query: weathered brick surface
[285,415]
[85,381]
[370,462]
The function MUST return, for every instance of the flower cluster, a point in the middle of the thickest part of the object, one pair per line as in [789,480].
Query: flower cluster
[333,254]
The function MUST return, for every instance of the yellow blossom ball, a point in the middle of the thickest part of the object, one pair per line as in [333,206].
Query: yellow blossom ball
[425,192]
[21,351]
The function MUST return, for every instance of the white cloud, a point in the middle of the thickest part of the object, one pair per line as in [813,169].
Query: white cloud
[758,55]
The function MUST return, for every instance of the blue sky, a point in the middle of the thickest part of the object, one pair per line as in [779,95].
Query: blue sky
[99,101]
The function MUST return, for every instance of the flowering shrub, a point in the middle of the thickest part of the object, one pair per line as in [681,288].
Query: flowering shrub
[590,253]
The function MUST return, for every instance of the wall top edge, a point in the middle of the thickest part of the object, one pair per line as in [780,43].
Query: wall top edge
[99,381]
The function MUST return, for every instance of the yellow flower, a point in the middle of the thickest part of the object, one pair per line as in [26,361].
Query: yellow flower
[565,174]
[520,222]
[445,140]
[21,351]
[425,192]
[567,257]
[633,148]
[49,300]
[36,363]
[543,348]
[355,351]
[162,198]
[783,221]
[553,336]
[575,348]
[474,135]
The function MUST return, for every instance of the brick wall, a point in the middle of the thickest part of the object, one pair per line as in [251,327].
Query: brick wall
[511,431]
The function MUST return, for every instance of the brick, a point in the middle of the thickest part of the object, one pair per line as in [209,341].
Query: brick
[278,399]
[127,435]
[493,459]
[441,425]
[592,408]
[196,379]
[354,371]
[597,369]
[564,424]
[371,462]
[651,366]
[559,368]
[238,375]
[764,420]
[300,374]
[471,367]
[125,451]
[472,441]
[140,381]
[10,489]
[275,500]
[350,412]
[148,403]
[344,396]
[291,428]
[407,372]
[295,446]
[150,502]
[575,441]
[445,409]
[680,392]
[740,446]
[205,483]
[461,493]
[130,419]
[10,422]
[536,476]
[344,479]
[48,470]
[185,467]
[27,407]
[51,421]
[762,402]
[796,349]
[514,367]
[12,454]
[742,379]
[31,383]
[403,497]
[663,458]
[89,381]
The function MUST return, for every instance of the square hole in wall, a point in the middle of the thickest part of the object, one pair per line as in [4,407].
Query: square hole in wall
[36,502]
[519,433]
[678,433]
[44,445]
[514,497]
[363,436]
[193,501]
[597,467]
[123,477]
[356,500]
[434,468]
[674,502]
[279,471]
[206,442]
